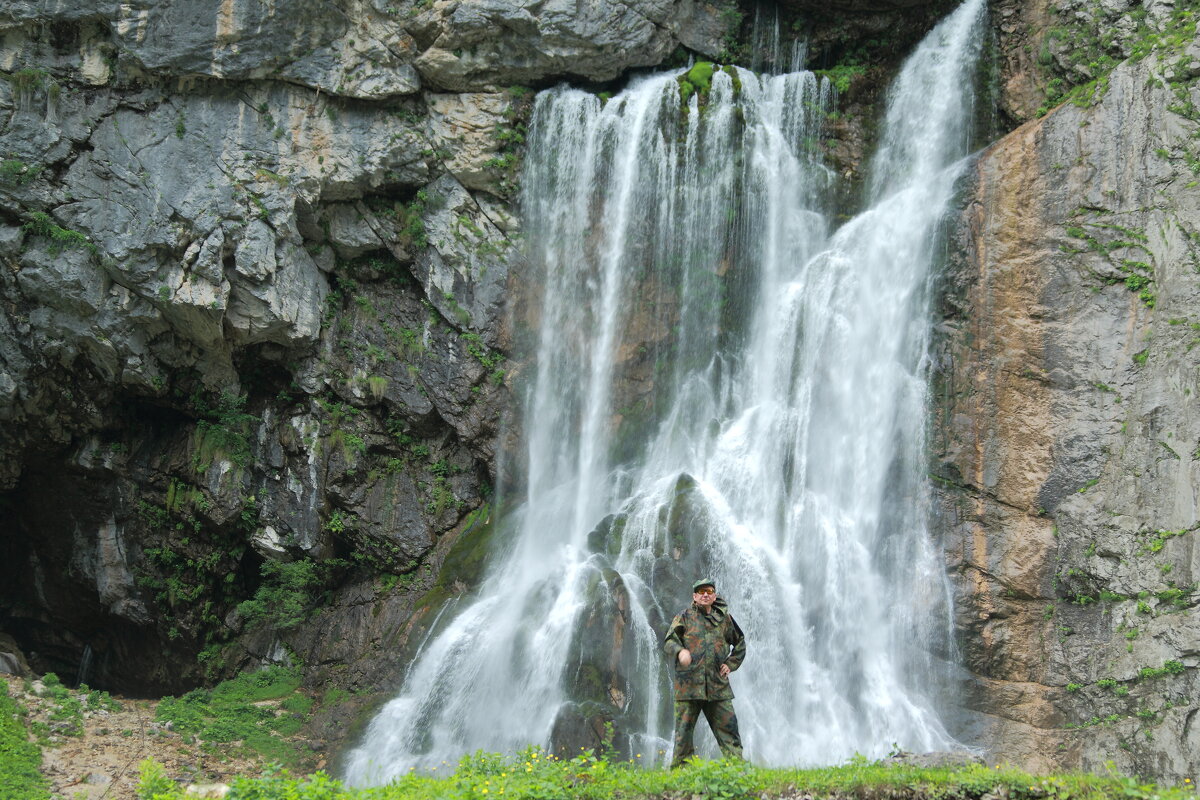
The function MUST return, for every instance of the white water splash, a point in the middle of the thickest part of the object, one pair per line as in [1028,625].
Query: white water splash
[691,279]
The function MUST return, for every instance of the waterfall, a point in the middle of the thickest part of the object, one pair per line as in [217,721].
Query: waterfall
[85,667]
[726,386]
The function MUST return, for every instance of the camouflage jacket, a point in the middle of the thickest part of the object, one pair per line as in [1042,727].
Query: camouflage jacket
[713,639]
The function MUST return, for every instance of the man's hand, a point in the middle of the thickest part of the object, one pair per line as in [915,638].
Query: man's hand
[724,670]
[685,658]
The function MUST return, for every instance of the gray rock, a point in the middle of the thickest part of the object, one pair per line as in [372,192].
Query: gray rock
[465,269]
[467,127]
[494,43]
[12,660]
[375,51]
[269,544]
[352,229]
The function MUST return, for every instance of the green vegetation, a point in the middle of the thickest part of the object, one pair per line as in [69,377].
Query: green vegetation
[20,759]
[29,80]
[1093,46]
[842,76]
[1115,243]
[411,219]
[286,593]
[733,49]
[1171,667]
[1158,540]
[40,224]
[14,172]
[223,430]
[234,715]
[536,775]
[193,570]
[480,351]
[510,140]
[153,781]
[697,80]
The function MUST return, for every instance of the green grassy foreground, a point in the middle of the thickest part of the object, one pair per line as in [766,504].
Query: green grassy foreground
[535,775]
[20,759]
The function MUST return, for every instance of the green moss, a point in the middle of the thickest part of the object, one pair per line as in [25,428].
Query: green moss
[732,72]
[697,80]
[468,556]
[700,75]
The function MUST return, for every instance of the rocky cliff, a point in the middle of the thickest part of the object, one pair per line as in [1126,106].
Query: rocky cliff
[1067,440]
[253,349]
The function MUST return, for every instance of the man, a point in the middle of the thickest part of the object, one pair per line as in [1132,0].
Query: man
[705,645]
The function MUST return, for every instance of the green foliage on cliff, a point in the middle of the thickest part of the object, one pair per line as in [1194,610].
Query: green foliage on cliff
[535,775]
[842,75]
[223,430]
[20,759]
[41,224]
[1093,44]
[14,172]
[284,598]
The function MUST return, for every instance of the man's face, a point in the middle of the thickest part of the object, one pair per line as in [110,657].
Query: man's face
[704,596]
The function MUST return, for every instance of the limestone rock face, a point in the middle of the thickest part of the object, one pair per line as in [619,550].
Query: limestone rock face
[488,43]
[250,318]
[1067,435]
[371,49]
[256,259]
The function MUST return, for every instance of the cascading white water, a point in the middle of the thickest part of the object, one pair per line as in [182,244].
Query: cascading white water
[691,281]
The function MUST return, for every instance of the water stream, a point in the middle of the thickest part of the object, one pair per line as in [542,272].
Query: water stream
[724,384]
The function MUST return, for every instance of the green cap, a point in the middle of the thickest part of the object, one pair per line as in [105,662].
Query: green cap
[703,582]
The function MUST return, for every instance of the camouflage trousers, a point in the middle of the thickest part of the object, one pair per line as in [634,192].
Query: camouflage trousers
[721,719]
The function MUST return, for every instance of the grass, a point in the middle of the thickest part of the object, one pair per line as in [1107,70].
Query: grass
[536,775]
[234,715]
[20,759]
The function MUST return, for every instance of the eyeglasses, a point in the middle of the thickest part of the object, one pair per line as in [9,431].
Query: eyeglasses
[706,591]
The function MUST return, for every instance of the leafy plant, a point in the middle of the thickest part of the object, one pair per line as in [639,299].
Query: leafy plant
[284,598]
[153,781]
[223,430]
